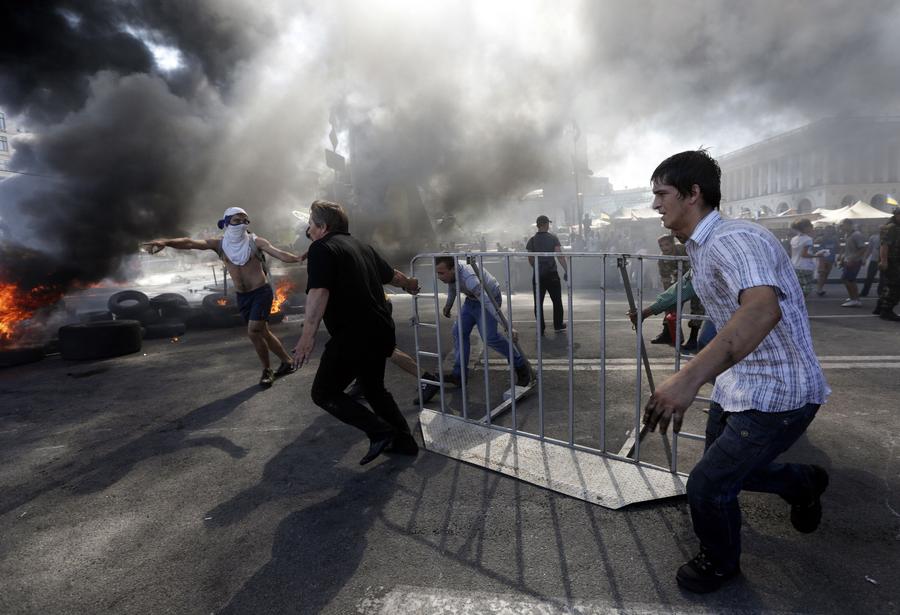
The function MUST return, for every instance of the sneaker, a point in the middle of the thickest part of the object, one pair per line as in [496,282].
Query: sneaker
[888,315]
[851,303]
[284,369]
[701,575]
[428,390]
[524,375]
[805,516]
[562,328]
[662,338]
[820,293]
[268,377]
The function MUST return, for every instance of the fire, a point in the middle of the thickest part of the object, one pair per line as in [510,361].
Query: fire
[17,306]
[282,290]
[222,301]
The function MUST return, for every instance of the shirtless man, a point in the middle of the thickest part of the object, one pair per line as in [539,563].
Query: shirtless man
[241,251]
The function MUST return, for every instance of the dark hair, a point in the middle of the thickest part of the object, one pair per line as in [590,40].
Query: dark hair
[685,169]
[802,223]
[445,260]
[330,215]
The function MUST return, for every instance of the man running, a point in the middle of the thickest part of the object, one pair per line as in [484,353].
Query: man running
[242,253]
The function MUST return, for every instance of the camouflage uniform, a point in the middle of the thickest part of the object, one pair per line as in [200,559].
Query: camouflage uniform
[668,272]
[890,291]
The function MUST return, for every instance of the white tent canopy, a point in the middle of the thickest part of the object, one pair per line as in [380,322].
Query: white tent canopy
[638,213]
[857,211]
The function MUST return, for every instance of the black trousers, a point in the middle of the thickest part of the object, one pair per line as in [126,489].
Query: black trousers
[549,284]
[871,272]
[345,360]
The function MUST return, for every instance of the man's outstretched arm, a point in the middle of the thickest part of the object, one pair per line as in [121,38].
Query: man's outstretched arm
[180,243]
[401,280]
[283,255]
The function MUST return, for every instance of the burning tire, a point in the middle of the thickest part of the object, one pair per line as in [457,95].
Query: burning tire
[99,340]
[170,305]
[128,303]
[276,318]
[165,328]
[19,356]
[217,303]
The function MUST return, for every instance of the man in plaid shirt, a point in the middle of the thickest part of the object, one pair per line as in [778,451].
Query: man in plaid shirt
[768,383]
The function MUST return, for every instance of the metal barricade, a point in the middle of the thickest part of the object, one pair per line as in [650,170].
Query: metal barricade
[480,439]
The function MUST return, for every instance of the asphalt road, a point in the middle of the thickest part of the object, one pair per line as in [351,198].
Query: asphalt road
[168,482]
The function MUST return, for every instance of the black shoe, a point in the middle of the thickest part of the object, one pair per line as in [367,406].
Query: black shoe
[877,311]
[267,379]
[701,575]
[887,314]
[805,517]
[403,444]
[524,375]
[662,338]
[428,390]
[562,328]
[284,369]
[376,447]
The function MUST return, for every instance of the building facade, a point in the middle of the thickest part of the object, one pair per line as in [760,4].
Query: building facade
[5,145]
[827,164]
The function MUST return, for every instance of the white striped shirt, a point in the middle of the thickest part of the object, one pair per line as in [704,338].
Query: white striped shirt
[471,286]
[782,373]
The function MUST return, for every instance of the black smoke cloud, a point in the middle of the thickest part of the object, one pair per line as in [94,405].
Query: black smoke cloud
[451,103]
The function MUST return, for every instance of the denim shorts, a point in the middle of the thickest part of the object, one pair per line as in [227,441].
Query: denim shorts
[256,304]
[850,271]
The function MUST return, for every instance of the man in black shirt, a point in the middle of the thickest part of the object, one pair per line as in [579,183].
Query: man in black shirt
[345,289]
[545,241]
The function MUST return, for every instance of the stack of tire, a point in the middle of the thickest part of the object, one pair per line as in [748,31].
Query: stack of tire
[218,311]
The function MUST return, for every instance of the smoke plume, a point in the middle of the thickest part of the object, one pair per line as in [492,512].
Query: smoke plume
[149,118]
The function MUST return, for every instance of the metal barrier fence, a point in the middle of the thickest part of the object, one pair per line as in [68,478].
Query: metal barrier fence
[627,265]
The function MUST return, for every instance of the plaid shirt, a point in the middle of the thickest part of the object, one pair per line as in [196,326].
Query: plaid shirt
[782,373]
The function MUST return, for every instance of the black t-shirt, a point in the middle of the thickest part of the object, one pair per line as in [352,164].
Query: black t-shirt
[544,241]
[354,275]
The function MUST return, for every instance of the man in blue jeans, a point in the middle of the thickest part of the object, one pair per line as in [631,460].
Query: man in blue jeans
[768,383]
[469,283]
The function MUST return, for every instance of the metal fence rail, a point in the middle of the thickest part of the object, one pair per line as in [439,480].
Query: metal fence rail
[578,263]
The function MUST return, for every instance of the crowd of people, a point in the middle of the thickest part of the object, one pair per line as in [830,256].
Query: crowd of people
[814,255]
[768,384]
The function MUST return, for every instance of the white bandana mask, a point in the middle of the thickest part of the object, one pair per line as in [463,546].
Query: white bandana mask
[236,244]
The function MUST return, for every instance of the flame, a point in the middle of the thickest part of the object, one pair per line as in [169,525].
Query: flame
[17,306]
[282,290]
[222,301]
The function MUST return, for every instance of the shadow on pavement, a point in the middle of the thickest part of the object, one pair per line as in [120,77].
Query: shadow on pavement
[109,468]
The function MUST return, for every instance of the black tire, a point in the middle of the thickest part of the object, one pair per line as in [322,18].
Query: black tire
[276,318]
[95,316]
[171,306]
[99,340]
[148,317]
[217,303]
[128,303]
[20,356]
[164,328]
[168,300]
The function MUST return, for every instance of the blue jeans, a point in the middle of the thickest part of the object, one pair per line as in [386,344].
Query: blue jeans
[740,450]
[469,316]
